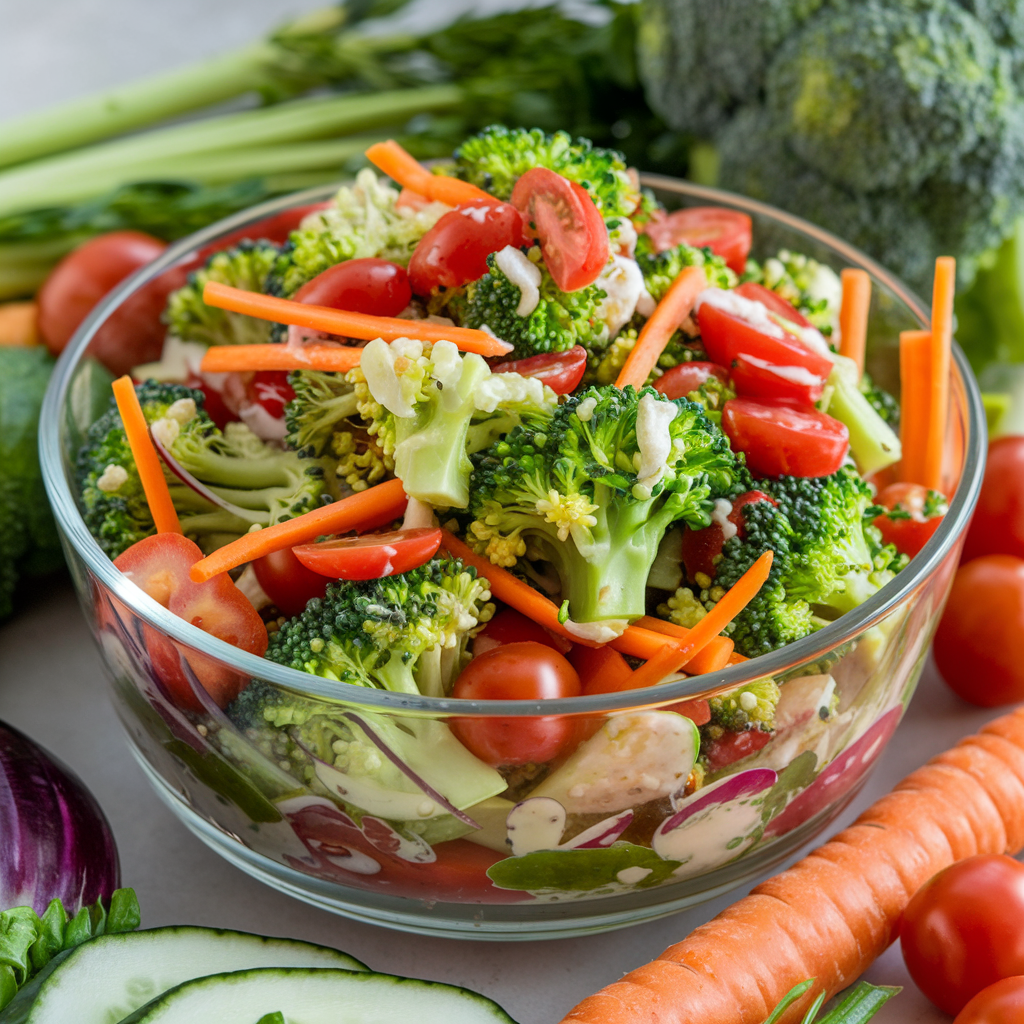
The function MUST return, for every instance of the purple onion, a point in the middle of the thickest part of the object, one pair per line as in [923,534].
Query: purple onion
[54,840]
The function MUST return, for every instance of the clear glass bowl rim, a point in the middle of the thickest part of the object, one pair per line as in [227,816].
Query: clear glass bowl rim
[56,478]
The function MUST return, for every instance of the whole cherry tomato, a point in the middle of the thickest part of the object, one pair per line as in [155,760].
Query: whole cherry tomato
[372,286]
[511,627]
[160,566]
[83,277]
[1001,1003]
[561,371]
[727,233]
[962,930]
[455,250]
[780,439]
[998,524]
[570,228]
[977,644]
[908,525]
[686,377]
[520,671]
[370,556]
[287,582]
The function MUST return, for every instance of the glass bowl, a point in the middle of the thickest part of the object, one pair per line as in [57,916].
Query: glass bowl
[610,837]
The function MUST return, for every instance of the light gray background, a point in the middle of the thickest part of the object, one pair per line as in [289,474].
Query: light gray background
[51,680]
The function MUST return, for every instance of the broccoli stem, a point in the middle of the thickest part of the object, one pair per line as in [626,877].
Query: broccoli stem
[872,441]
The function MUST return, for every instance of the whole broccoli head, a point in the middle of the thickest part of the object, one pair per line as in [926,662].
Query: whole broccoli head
[558,321]
[363,221]
[593,490]
[405,633]
[256,484]
[429,407]
[247,266]
[497,157]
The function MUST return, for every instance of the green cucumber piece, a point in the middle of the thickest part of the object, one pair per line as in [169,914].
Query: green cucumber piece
[317,997]
[109,977]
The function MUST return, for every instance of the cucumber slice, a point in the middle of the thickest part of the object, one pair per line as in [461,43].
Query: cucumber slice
[109,977]
[317,997]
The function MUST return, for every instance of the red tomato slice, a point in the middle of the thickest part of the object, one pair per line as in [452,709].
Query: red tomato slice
[370,555]
[521,671]
[287,582]
[753,377]
[372,286]
[572,233]
[908,534]
[774,302]
[160,566]
[561,371]
[455,250]
[780,439]
[701,547]
[686,377]
[512,627]
[726,336]
[727,233]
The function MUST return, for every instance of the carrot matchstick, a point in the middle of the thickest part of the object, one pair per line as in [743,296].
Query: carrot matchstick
[830,915]
[941,346]
[675,306]
[404,169]
[347,324]
[151,469]
[915,402]
[245,358]
[381,503]
[853,314]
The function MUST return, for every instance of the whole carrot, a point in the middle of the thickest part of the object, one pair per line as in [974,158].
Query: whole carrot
[831,914]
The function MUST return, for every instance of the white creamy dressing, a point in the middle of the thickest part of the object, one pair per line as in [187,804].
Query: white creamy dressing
[523,274]
[750,310]
[794,374]
[654,440]
[535,824]
[623,283]
[720,515]
[476,213]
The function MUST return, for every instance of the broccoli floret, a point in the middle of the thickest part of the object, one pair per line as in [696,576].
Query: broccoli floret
[430,407]
[363,221]
[750,707]
[559,320]
[498,156]
[247,266]
[405,633]
[593,490]
[256,484]
[886,405]
[660,269]
[813,288]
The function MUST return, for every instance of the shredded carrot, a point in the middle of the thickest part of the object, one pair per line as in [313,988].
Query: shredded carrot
[404,169]
[831,914]
[243,358]
[853,314]
[941,345]
[367,508]
[151,469]
[673,309]
[718,653]
[915,396]
[346,324]
[19,326]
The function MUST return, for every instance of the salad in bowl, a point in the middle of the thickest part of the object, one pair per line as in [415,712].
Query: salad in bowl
[495,548]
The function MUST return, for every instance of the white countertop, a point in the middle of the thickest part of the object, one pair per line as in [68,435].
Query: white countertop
[51,679]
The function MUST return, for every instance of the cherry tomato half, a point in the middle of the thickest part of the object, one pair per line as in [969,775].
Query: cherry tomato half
[780,439]
[561,371]
[774,302]
[271,390]
[372,286]
[512,627]
[977,644]
[83,277]
[757,378]
[910,530]
[370,555]
[962,932]
[571,231]
[1001,1003]
[160,566]
[522,671]
[700,548]
[686,377]
[455,250]
[726,336]
[998,524]
[287,582]
[727,233]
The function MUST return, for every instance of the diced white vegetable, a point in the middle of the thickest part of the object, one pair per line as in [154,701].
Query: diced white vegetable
[623,283]
[720,515]
[654,439]
[523,274]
